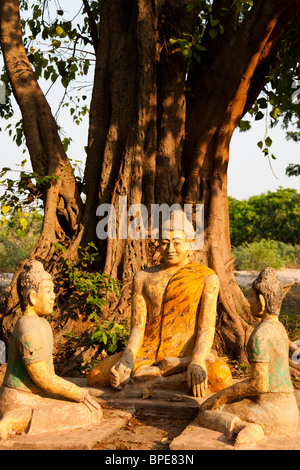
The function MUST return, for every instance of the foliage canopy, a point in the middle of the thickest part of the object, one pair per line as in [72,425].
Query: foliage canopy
[273,216]
[61,42]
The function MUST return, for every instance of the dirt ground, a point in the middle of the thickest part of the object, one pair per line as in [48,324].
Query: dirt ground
[145,432]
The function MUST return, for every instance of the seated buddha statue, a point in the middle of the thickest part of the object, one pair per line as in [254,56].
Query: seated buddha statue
[264,404]
[33,399]
[172,324]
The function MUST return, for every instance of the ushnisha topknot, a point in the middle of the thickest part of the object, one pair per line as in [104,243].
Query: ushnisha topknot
[178,221]
[32,274]
[269,286]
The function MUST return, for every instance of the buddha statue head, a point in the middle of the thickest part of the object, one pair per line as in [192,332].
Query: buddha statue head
[266,293]
[35,289]
[175,236]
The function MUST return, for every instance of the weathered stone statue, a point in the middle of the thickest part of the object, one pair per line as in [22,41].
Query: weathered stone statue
[263,404]
[172,325]
[32,397]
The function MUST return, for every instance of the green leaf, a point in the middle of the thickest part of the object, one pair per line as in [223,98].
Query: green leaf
[56,43]
[23,223]
[259,116]
[268,141]
[190,7]
[213,33]
[5,209]
[104,337]
[244,125]
[214,22]
[20,233]
[59,30]
[262,103]
[59,247]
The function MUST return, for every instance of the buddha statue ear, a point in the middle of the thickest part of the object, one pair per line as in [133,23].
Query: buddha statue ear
[32,297]
[287,287]
[262,302]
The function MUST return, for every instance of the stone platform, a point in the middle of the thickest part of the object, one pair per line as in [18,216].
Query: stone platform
[194,437]
[120,407]
[81,439]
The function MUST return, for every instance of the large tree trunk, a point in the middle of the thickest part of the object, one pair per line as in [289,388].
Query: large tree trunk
[161,145]
[220,95]
[154,136]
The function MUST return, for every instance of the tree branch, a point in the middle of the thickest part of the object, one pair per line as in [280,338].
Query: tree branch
[46,150]
[269,58]
[223,89]
[93,25]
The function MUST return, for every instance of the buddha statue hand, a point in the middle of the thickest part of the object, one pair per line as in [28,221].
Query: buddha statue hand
[120,374]
[197,378]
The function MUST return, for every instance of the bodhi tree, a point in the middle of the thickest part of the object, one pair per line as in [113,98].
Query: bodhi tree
[172,81]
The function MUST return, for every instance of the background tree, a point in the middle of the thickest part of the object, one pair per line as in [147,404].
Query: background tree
[273,216]
[172,81]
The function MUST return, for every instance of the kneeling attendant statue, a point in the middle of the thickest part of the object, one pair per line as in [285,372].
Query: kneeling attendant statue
[264,404]
[33,398]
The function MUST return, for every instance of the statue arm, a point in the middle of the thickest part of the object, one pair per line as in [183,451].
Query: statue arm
[196,372]
[206,320]
[138,319]
[52,365]
[257,384]
[120,373]
[50,382]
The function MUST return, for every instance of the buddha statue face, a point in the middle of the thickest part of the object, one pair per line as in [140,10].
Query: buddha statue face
[42,301]
[173,247]
[257,303]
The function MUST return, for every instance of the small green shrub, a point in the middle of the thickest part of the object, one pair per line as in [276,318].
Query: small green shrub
[84,277]
[112,336]
[258,255]
[292,325]
[15,249]
[290,254]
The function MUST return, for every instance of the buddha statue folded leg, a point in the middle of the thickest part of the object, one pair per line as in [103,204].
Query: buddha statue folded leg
[100,374]
[170,372]
[218,373]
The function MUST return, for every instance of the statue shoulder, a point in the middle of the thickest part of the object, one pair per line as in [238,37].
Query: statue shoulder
[202,268]
[27,322]
[141,275]
[211,278]
[144,275]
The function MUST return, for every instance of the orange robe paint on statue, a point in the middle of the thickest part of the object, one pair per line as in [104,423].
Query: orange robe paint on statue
[172,332]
